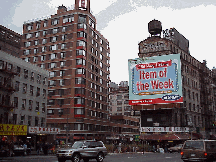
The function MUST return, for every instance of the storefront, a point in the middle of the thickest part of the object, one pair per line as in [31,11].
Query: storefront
[42,135]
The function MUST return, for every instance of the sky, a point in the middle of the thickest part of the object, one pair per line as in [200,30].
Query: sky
[124,23]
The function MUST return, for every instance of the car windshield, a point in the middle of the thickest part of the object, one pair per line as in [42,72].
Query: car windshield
[77,144]
[194,145]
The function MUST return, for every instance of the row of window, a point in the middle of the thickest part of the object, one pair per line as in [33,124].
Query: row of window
[37,121]
[47,40]
[29,104]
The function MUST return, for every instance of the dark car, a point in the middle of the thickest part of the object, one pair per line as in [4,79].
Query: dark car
[88,149]
[19,150]
[199,150]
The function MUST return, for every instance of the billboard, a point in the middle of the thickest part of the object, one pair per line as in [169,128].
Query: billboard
[155,80]
[11,129]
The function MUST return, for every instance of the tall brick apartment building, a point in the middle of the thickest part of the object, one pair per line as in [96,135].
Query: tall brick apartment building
[77,56]
[10,41]
[198,84]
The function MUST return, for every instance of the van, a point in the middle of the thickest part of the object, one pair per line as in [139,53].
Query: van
[199,150]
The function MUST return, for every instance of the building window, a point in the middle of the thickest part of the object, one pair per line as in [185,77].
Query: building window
[43,57]
[38,26]
[30,104]
[79,111]
[53,47]
[80,61]
[52,65]
[38,79]
[43,107]
[81,43]
[31,90]
[38,92]
[36,121]
[62,82]
[81,26]
[23,103]
[37,106]
[64,29]
[80,52]
[63,45]
[52,82]
[50,112]
[24,88]
[62,63]
[16,102]
[22,120]
[79,101]
[25,73]
[52,73]
[37,34]
[55,30]
[36,42]
[29,120]
[17,85]
[42,66]
[81,34]
[35,58]
[80,71]
[44,32]
[44,41]
[43,49]
[44,80]
[35,50]
[45,24]
[62,54]
[55,22]
[62,73]
[68,19]
[79,80]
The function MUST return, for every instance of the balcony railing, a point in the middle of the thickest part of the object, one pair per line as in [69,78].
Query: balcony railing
[7,104]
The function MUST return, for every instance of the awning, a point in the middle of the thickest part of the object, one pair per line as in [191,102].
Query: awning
[168,137]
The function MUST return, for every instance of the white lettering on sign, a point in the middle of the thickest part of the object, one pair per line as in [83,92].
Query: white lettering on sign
[164,129]
[151,47]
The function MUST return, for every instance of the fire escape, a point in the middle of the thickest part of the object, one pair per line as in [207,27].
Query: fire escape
[6,86]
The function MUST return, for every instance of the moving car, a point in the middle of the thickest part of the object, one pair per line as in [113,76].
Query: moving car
[176,148]
[199,150]
[87,149]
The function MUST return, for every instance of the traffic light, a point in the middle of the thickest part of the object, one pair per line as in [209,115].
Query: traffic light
[214,123]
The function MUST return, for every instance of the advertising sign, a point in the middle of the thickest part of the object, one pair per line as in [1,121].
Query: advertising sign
[43,130]
[11,129]
[164,129]
[155,80]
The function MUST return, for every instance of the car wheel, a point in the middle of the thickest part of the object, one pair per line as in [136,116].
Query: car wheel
[100,157]
[86,160]
[76,158]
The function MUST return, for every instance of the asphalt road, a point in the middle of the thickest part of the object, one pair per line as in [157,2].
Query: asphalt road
[124,157]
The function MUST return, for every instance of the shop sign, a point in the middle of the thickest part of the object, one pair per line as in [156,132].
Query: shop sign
[43,130]
[164,129]
[11,129]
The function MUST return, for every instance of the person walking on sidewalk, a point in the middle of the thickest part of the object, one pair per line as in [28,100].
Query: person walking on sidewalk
[38,147]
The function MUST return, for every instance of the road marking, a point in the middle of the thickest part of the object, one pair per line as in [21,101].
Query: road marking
[169,157]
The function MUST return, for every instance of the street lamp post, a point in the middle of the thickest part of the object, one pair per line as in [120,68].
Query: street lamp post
[67,131]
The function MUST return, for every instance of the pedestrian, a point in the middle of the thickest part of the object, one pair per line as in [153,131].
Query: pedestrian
[38,147]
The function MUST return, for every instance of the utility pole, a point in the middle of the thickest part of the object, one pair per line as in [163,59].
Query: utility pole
[67,131]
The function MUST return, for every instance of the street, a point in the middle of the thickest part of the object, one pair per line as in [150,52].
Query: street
[124,157]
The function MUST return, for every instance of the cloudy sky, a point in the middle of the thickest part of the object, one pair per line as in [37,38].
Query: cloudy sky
[125,23]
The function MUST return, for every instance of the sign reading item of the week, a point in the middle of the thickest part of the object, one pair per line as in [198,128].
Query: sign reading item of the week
[155,80]
[11,129]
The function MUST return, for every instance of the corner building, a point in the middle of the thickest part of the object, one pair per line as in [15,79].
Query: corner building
[77,57]
[197,112]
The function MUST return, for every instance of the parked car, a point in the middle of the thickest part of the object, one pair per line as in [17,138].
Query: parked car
[4,152]
[87,149]
[199,150]
[176,148]
[19,150]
